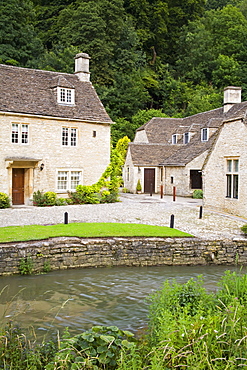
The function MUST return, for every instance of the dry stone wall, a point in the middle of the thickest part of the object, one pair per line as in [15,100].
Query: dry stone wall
[65,253]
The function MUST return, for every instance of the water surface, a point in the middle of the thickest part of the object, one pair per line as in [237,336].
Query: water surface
[81,298]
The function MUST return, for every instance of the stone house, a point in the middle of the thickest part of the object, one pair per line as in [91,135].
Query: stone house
[55,131]
[170,153]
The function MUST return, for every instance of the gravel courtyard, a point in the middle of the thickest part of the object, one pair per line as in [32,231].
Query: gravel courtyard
[135,208]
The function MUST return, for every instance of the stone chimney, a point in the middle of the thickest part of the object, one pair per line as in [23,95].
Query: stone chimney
[232,95]
[82,67]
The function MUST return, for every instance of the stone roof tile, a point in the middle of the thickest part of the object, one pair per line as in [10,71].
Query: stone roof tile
[32,91]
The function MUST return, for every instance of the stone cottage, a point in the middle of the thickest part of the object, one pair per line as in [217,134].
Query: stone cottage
[169,153]
[55,131]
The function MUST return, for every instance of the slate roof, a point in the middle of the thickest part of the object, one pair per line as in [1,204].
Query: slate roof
[160,151]
[150,154]
[32,91]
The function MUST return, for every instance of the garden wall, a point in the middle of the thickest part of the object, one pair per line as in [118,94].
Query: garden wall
[64,253]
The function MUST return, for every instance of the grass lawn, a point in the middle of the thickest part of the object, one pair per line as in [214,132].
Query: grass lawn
[37,232]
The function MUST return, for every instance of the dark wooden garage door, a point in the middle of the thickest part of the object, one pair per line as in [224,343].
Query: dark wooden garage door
[149,180]
[18,185]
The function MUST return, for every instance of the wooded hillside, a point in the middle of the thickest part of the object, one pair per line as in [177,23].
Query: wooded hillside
[149,57]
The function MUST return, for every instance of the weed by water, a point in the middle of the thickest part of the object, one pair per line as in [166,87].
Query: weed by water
[26,266]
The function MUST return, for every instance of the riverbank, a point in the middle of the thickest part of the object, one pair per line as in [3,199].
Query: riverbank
[135,208]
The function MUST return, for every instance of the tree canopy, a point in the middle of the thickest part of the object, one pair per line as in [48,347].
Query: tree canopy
[163,57]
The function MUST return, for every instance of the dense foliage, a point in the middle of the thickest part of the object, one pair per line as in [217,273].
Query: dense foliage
[189,328]
[171,56]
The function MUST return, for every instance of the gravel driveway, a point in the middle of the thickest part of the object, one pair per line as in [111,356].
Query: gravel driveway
[135,208]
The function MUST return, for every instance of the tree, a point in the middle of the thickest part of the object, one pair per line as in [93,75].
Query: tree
[19,44]
[122,146]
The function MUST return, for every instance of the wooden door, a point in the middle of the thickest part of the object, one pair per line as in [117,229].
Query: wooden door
[18,185]
[149,180]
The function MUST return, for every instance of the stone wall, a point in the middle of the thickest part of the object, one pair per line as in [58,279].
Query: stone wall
[64,253]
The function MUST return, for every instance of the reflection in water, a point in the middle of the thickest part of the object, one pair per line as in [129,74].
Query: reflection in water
[81,298]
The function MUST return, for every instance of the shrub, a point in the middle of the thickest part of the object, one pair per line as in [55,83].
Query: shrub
[244,228]
[4,201]
[47,199]
[84,195]
[138,186]
[197,194]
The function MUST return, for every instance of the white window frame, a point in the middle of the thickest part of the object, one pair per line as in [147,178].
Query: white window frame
[66,183]
[174,139]
[232,178]
[21,134]
[65,96]
[204,134]
[186,134]
[71,139]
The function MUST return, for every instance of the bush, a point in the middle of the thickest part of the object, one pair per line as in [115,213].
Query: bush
[197,194]
[47,199]
[244,228]
[84,195]
[4,201]
[138,186]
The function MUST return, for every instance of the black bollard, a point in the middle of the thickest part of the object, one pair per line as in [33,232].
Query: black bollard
[172,222]
[200,212]
[66,218]
[151,189]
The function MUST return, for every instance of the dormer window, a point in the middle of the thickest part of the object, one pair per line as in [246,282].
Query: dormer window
[204,134]
[186,137]
[65,96]
[174,139]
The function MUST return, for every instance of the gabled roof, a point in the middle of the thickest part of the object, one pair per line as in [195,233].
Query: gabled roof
[160,130]
[150,154]
[32,91]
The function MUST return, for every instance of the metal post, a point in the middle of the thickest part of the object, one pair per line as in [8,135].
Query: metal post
[174,193]
[151,189]
[66,218]
[161,191]
[172,222]
[200,212]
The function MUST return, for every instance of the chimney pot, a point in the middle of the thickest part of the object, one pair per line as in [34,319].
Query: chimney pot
[232,95]
[82,66]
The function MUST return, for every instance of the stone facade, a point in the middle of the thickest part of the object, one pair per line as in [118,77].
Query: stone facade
[230,145]
[65,253]
[69,139]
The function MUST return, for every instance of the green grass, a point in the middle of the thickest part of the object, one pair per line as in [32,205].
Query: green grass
[38,232]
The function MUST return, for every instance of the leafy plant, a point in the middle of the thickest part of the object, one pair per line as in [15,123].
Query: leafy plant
[97,348]
[4,200]
[197,194]
[26,266]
